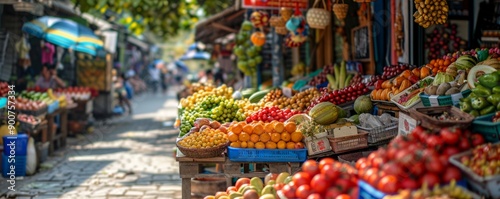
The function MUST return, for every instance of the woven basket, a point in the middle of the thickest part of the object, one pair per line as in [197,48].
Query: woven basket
[281,30]
[318,18]
[274,21]
[202,153]
[340,10]
[286,13]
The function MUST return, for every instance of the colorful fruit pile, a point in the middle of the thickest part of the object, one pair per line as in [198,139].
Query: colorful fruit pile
[440,65]
[269,114]
[416,160]
[485,96]
[389,72]
[443,40]
[341,96]
[260,135]
[326,179]
[299,102]
[4,89]
[484,161]
[321,77]
[447,191]
[385,89]
[253,188]
[248,54]
[340,79]
[205,138]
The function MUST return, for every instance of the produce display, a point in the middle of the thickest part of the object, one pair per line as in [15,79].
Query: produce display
[442,40]
[253,188]
[75,93]
[92,74]
[485,96]
[322,76]
[24,104]
[205,138]
[269,114]
[438,192]
[431,12]
[385,89]
[340,79]
[411,95]
[417,160]
[247,52]
[484,161]
[299,101]
[260,135]
[441,65]
[341,96]
[28,119]
[389,72]
[4,89]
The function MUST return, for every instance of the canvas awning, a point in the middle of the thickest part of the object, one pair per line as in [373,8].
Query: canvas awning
[220,25]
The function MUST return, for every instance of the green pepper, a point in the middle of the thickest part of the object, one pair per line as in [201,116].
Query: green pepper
[465,106]
[493,98]
[474,113]
[487,110]
[479,103]
[496,89]
[481,91]
[489,80]
[466,99]
[482,55]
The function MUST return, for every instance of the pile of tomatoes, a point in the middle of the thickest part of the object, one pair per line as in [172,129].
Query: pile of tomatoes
[327,179]
[417,160]
[269,114]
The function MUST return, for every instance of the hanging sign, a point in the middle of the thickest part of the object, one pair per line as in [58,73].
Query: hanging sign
[274,4]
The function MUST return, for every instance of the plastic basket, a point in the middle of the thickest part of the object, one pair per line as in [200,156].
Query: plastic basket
[349,143]
[484,126]
[424,117]
[266,155]
[443,100]
[21,144]
[488,186]
[19,164]
[352,158]
[381,133]
[38,113]
[366,191]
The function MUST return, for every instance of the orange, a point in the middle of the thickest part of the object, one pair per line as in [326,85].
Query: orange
[244,137]
[279,127]
[296,136]
[258,129]
[270,145]
[254,138]
[250,145]
[281,144]
[285,136]
[265,137]
[268,128]
[232,137]
[248,128]
[235,144]
[290,127]
[237,128]
[290,145]
[275,137]
[260,145]
[244,145]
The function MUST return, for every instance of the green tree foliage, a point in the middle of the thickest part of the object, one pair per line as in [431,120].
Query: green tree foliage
[161,17]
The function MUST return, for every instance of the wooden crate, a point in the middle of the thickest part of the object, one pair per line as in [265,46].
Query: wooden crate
[386,108]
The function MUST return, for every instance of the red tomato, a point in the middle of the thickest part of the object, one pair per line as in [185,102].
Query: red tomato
[408,183]
[388,184]
[344,185]
[434,141]
[449,151]
[315,196]
[301,178]
[429,179]
[325,161]
[405,158]
[451,173]
[360,162]
[444,160]
[319,183]
[477,139]
[433,164]
[450,135]
[377,162]
[332,193]
[354,193]
[417,169]
[391,153]
[392,168]
[330,172]
[369,174]
[289,191]
[303,191]
[464,144]
[343,196]
[311,167]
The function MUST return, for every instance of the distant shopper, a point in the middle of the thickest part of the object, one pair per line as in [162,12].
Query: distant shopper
[49,79]
[155,77]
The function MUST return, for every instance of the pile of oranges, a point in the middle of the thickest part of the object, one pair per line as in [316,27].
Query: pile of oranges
[261,135]
[440,65]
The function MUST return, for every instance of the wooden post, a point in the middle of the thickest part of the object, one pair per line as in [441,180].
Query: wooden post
[64,127]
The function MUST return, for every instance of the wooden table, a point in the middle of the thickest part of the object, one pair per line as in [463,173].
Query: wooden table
[193,168]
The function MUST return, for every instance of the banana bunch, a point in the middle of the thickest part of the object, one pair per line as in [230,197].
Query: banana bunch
[491,62]
[431,12]
[61,99]
[465,62]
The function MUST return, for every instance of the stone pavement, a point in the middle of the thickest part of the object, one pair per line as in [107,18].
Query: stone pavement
[130,157]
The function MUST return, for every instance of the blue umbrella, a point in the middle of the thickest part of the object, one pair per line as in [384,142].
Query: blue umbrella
[181,65]
[195,55]
[89,49]
[38,26]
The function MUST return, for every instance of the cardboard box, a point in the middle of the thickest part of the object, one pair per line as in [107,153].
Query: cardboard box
[406,124]
[344,131]
[318,144]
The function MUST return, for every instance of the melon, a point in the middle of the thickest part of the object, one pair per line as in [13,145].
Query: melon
[363,104]
[324,113]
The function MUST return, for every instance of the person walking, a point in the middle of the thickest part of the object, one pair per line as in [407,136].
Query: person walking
[155,76]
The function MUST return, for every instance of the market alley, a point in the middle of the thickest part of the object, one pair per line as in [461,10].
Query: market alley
[128,157]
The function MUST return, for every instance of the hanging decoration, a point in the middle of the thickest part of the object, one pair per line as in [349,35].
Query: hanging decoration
[286,13]
[258,38]
[298,29]
[340,10]
[318,18]
[259,19]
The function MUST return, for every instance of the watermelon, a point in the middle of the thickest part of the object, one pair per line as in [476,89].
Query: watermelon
[324,113]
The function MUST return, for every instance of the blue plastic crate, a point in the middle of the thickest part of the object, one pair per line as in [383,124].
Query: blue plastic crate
[3,102]
[21,144]
[53,107]
[266,155]
[20,165]
[486,127]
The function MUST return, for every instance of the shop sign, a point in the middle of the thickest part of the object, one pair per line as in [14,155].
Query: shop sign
[274,4]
